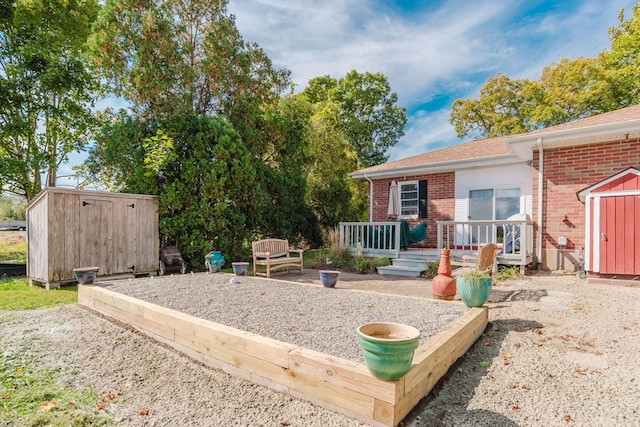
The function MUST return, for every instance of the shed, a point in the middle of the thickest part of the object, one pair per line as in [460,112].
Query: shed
[613,224]
[67,229]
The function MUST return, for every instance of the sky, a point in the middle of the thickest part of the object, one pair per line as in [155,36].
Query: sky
[431,51]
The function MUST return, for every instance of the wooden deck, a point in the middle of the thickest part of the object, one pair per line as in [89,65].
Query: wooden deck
[331,382]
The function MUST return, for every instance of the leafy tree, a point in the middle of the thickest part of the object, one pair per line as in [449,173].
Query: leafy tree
[622,60]
[169,57]
[331,193]
[46,89]
[12,207]
[367,114]
[501,109]
[199,168]
[571,90]
[185,68]
[567,90]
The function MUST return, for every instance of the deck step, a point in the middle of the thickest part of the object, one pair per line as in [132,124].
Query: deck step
[404,267]
[393,270]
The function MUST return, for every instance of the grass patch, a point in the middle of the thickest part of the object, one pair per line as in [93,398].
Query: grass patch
[30,396]
[15,294]
[13,247]
[507,272]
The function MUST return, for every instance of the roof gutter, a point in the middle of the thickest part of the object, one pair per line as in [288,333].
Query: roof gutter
[370,197]
[436,167]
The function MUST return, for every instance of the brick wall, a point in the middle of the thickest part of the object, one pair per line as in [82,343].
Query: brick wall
[567,171]
[440,201]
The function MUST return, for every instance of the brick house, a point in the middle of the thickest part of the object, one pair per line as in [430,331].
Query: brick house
[552,176]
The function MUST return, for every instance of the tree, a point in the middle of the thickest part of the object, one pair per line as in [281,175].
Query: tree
[368,116]
[198,167]
[501,109]
[185,67]
[46,89]
[171,57]
[567,90]
[622,60]
[570,90]
[331,193]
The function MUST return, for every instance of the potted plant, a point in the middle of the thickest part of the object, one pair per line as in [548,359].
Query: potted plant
[474,287]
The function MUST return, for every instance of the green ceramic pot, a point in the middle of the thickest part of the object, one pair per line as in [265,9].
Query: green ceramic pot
[388,348]
[474,292]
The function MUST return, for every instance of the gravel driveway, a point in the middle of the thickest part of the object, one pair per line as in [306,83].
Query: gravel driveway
[558,352]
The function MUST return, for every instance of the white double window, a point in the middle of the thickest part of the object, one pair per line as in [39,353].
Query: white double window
[493,203]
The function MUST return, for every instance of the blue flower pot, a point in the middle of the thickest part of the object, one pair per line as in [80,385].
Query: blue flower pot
[240,268]
[329,278]
[214,261]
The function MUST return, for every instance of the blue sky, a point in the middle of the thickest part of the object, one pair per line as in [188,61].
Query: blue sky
[432,52]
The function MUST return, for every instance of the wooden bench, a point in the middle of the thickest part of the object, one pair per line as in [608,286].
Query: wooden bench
[273,254]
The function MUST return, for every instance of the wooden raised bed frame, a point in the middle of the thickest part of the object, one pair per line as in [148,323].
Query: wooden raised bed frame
[337,384]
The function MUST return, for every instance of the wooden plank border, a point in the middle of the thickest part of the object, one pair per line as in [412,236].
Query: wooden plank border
[337,384]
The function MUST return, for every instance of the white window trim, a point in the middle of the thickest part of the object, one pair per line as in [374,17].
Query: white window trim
[417,184]
[521,201]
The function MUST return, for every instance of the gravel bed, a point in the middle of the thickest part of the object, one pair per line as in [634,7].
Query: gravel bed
[309,316]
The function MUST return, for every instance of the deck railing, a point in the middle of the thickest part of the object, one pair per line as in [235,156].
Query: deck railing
[514,238]
[371,239]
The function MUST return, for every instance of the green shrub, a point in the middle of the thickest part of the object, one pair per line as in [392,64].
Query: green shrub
[341,259]
[363,266]
[382,261]
[432,269]
[507,272]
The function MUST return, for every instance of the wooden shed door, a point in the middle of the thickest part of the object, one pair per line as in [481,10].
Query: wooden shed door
[620,235]
[96,228]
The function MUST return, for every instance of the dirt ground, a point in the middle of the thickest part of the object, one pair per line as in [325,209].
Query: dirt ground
[559,351]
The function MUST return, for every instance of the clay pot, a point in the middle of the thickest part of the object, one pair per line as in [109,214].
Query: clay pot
[444,285]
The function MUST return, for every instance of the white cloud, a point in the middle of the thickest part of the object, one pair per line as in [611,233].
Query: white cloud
[318,38]
[444,50]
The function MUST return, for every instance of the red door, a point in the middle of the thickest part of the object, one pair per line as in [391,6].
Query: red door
[620,235]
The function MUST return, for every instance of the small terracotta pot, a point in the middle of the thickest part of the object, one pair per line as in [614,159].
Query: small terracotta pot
[443,286]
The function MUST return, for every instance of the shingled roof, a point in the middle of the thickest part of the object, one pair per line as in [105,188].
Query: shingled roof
[443,158]
[513,148]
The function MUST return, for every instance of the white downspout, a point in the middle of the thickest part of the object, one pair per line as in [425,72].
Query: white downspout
[370,197]
[540,198]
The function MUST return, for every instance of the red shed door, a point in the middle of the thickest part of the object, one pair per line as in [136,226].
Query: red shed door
[620,235]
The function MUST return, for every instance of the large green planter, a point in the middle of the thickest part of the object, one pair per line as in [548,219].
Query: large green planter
[474,291]
[388,348]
